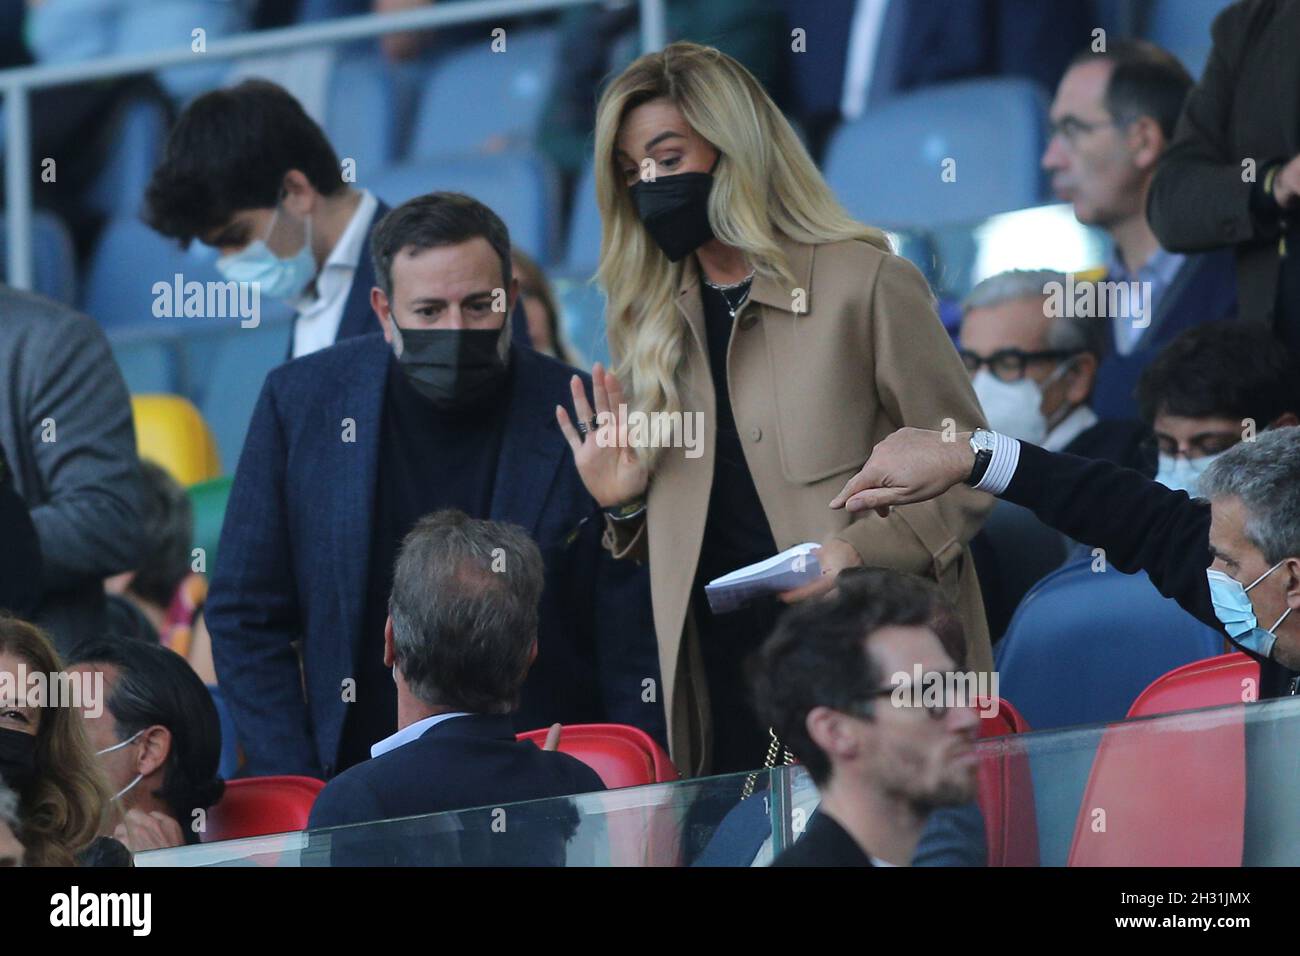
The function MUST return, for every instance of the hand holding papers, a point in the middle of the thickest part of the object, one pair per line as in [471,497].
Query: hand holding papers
[791,568]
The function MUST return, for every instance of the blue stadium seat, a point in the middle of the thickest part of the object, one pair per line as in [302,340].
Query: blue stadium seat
[1083,645]
[141,132]
[128,259]
[582,316]
[149,361]
[54,264]
[225,368]
[887,166]
[1183,28]
[521,189]
[582,248]
[452,117]
[369,105]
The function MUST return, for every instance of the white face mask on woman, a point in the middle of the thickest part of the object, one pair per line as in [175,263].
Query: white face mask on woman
[1183,474]
[1015,409]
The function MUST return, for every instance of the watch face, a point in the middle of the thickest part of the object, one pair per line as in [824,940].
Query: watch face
[982,440]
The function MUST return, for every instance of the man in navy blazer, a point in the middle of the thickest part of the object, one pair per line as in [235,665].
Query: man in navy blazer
[460,635]
[249,173]
[350,446]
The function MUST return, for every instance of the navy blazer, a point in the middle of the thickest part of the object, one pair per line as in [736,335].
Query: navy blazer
[295,551]
[458,763]
[1204,290]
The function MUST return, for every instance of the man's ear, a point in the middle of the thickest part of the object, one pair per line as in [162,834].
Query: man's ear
[830,730]
[379,303]
[390,649]
[1146,142]
[1292,568]
[299,195]
[157,747]
[1085,376]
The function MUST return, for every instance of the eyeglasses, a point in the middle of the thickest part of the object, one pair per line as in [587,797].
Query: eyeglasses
[1072,129]
[1009,365]
[1198,446]
[933,710]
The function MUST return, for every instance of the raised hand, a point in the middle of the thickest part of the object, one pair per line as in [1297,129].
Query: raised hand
[608,466]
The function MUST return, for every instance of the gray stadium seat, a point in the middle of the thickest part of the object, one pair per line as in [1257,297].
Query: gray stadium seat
[54,269]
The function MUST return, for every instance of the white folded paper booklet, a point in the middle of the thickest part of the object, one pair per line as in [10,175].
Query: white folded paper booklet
[791,568]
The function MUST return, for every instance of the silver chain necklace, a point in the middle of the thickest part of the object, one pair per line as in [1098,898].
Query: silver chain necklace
[724,289]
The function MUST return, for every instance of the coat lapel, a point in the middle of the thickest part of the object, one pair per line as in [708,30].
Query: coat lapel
[351,488]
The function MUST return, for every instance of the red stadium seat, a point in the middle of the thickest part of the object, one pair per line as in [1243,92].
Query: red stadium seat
[257,806]
[622,756]
[1160,795]
[1226,679]
[1006,794]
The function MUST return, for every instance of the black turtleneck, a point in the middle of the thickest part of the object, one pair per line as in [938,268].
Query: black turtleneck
[429,459]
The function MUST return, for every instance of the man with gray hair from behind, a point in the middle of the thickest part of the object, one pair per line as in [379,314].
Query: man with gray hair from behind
[1230,558]
[1034,365]
[460,637]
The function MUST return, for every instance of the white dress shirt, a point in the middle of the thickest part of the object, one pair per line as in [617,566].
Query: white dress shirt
[1069,428]
[411,732]
[1002,466]
[319,317]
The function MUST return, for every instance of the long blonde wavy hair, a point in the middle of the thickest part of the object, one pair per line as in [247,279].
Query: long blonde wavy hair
[765,186]
[61,811]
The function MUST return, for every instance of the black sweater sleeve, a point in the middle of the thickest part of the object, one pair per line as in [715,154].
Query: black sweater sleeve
[1140,524]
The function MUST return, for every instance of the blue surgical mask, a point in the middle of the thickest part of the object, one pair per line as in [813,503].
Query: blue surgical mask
[274,277]
[1237,615]
[1183,474]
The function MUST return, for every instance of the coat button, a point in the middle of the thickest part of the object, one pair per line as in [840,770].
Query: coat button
[748,320]
[756,433]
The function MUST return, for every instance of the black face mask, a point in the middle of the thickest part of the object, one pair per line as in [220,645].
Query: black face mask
[454,368]
[17,758]
[675,211]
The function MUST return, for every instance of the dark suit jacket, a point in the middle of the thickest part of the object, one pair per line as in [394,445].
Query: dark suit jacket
[458,764]
[1122,441]
[298,526]
[1204,290]
[68,435]
[1142,525]
[824,843]
[1246,106]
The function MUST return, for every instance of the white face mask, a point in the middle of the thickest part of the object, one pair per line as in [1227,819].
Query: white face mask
[1015,409]
[108,750]
[1183,474]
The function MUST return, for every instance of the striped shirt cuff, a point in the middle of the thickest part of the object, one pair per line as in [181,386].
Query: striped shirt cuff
[1002,467]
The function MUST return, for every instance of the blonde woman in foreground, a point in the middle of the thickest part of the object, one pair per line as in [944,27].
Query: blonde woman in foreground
[788,339]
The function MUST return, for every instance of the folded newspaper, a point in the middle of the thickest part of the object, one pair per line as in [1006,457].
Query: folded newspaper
[791,568]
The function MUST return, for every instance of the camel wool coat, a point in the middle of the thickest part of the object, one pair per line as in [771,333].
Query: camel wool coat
[817,375]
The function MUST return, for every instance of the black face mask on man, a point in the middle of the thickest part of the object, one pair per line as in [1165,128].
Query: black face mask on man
[17,758]
[454,368]
[675,211]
